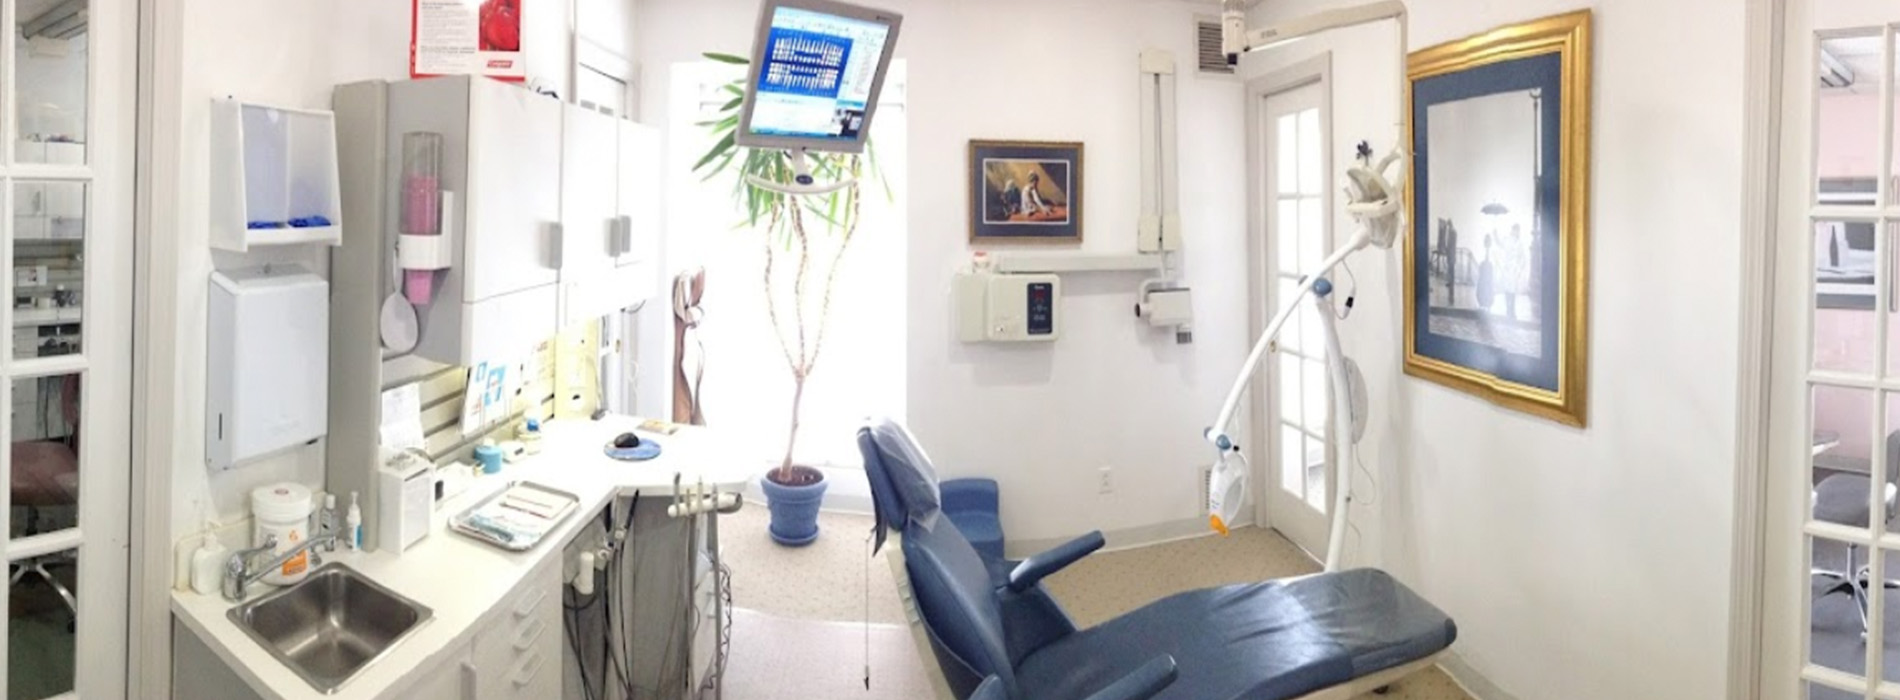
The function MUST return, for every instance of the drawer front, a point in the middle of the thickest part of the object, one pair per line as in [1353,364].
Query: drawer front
[519,656]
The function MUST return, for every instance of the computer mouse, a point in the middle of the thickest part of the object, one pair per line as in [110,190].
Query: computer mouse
[627,441]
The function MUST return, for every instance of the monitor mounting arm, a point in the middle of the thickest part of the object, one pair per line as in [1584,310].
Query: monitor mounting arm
[802,184]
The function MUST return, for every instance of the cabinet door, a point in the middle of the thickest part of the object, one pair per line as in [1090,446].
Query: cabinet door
[514,197]
[589,206]
[642,190]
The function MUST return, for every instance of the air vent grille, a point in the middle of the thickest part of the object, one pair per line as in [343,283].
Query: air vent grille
[1212,59]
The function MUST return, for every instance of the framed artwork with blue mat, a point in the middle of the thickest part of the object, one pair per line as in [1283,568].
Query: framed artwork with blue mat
[1497,259]
[1025,192]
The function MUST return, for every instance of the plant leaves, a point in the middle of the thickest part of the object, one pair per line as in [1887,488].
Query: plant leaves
[724,144]
[728,58]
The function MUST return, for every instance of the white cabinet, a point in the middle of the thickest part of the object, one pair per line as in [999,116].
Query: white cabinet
[590,211]
[610,202]
[501,166]
[454,680]
[517,656]
[642,191]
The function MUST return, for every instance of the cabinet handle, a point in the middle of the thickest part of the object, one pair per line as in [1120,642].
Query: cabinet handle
[557,240]
[530,636]
[468,681]
[527,671]
[527,604]
[623,235]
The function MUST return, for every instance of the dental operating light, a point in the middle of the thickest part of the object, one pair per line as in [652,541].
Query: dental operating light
[1376,206]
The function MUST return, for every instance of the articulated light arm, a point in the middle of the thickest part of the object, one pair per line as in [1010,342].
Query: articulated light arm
[1236,39]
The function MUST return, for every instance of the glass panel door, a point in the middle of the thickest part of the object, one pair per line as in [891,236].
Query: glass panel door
[1299,411]
[65,185]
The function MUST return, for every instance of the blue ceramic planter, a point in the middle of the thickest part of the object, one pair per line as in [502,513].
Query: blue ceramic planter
[794,509]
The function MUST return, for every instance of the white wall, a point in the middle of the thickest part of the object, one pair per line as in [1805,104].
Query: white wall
[290,53]
[1580,563]
[1112,392]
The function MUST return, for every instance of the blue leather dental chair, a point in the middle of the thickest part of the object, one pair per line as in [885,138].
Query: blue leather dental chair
[991,624]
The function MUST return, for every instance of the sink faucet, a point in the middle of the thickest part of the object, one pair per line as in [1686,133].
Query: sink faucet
[238,574]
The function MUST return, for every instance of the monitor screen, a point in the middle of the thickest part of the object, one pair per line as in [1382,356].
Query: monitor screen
[816,71]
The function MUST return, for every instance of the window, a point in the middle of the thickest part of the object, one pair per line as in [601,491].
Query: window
[1298,198]
[748,386]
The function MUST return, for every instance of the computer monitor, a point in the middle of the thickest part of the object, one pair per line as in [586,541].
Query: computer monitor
[817,69]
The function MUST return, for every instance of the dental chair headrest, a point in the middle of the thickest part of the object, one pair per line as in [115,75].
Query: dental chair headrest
[903,482]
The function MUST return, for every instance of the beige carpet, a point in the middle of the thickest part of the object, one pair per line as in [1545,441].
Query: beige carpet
[795,590]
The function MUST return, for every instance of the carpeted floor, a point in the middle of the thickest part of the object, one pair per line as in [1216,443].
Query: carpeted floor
[793,601]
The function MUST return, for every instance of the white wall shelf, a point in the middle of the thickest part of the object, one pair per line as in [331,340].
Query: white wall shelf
[1074,262]
[273,171]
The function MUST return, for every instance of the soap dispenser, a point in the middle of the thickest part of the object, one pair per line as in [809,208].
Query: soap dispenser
[207,564]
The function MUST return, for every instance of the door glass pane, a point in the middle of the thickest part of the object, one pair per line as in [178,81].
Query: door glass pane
[1313,395]
[1842,455]
[1316,474]
[1292,447]
[1293,334]
[1312,235]
[1817,691]
[1287,156]
[1847,115]
[1288,231]
[1311,159]
[1888,587]
[50,56]
[49,252]
[1836,620]
[1291,410]
[41,612]
[1844,296]
[45,454]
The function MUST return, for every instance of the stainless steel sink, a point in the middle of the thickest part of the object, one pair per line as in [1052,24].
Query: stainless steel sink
[331,625]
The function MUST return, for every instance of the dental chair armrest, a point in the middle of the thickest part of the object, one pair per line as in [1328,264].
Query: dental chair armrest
[1143,683]
[1032,570]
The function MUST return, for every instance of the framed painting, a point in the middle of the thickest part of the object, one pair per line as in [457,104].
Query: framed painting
[1497,259]
[1025,192]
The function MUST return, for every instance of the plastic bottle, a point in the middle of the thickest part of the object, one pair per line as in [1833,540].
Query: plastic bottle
[207,564]
[353,524]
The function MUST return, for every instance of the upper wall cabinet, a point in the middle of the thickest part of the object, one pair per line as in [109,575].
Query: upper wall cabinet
[500,179]
[273,176]
[610,202]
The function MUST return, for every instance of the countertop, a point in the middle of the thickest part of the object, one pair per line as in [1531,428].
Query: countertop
[462,580]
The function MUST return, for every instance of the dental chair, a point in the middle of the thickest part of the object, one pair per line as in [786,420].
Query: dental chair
[1324,637]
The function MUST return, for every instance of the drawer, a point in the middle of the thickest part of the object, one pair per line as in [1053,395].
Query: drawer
[518,654]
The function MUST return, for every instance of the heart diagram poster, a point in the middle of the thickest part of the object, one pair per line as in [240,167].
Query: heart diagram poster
[466,37]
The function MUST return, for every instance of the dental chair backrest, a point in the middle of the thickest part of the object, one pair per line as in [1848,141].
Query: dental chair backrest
[953,588]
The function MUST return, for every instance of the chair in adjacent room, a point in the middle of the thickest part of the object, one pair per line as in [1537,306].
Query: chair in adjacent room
[45,477]
[1324,637]
[1845,499]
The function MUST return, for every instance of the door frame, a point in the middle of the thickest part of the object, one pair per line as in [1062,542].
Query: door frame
[1765,44]
[1260,427]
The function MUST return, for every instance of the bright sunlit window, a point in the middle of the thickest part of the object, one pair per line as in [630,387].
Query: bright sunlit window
[860,372]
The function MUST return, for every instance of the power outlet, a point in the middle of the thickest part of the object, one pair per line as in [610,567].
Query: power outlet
[1108,480]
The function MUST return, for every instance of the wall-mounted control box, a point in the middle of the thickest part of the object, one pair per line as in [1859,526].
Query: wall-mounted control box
[993,307]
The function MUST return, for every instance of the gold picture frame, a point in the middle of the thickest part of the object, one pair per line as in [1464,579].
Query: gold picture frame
[1465,327]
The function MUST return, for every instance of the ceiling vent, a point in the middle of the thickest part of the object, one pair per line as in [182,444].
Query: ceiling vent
[1212,60]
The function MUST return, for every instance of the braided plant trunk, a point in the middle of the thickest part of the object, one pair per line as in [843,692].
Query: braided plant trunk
[803,338]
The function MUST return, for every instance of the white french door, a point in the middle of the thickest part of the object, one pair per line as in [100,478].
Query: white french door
[66,191]
[1292,428]
[1832,591]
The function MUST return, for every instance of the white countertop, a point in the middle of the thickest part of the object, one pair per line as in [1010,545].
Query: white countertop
[462,580]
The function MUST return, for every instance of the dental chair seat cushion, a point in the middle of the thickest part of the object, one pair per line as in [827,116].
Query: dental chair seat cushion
[1265,641]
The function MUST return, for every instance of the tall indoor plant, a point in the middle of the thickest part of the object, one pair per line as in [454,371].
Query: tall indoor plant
[794,231]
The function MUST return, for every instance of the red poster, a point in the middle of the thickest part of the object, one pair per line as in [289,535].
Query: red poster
[460,37]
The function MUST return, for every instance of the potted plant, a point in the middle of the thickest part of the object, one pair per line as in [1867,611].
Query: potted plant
[805,238]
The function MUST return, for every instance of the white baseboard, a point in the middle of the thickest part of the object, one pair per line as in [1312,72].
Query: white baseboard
[1474,683]
[1127,538]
